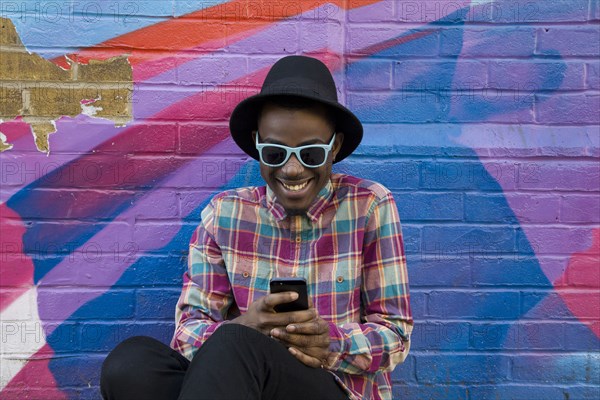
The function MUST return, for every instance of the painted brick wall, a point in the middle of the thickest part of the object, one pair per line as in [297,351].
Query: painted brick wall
[481,116]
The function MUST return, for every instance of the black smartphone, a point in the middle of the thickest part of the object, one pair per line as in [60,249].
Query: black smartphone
[297,285]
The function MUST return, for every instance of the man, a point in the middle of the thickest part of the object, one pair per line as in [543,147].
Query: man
[341,233]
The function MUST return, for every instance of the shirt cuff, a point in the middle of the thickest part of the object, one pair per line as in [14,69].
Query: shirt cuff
[336,347]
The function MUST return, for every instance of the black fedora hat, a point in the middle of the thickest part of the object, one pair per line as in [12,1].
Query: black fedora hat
[297,76]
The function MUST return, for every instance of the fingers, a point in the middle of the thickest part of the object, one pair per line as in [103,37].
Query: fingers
[271,300]
[306,359]
[315,327]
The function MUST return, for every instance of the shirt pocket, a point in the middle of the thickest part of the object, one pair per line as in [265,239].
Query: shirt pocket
[337,293]
[249,277]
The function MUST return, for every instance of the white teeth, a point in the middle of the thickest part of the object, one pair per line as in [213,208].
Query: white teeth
[295,187]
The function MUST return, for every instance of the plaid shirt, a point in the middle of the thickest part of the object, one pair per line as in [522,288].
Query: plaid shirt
[349,248]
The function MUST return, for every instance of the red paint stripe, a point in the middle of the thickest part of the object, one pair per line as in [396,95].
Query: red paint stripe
[582,282]
[378,47]
[15,130]
[195,30]
[16,268]
[36,370]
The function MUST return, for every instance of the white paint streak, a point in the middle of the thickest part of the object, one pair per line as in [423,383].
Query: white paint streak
[21,335]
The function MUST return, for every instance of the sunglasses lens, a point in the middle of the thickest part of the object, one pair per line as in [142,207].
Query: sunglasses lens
[313,156]
[273,155]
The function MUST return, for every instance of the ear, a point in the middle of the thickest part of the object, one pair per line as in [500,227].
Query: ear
[337,144]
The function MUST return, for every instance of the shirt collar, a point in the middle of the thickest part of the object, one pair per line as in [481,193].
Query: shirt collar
[314,210]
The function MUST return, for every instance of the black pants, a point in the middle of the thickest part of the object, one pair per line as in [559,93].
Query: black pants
[235,363]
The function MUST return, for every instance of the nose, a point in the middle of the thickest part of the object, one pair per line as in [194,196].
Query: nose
[292,168]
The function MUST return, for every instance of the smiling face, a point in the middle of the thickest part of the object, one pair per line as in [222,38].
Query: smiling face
[295,185]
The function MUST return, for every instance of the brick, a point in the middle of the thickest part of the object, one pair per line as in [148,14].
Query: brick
[461,369]
[567,109]
[418,304]
[580,41]
[435,335]
[159,236]
[559,176]
[192,203]
[430,392]
[97,337]
[115,304]
[61,238]
[444,11]
[478,305]
[148,138]
[531,76]
[154,70]
[462,242]
[369,75]
[156,303]
[508,269]
[544,305]
[392,174]
[431,207]
[488,208]
[593,75]
[517,336]
[156,270]
[212,172]
[64,338]
[529,391]
[191,137]
[583,269]
[382,11]
[411,235]
[580,209]
[431,270]
[583,392]
[439,75]
[545,369]
[75,371]
[580,336]
[524,11]
[595,14]
[209,70]
[157,204]
[531,208]
[488,42]
[317,35]
[466,175]
[553,240]
[367,40]
[516,141]
[407,107]
[405,372]
[412,139]
[287,35]
[491,105]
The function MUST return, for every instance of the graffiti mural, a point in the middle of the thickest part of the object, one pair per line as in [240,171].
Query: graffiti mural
[481,117]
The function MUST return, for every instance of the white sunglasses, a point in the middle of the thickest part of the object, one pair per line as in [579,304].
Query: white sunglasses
[311,155]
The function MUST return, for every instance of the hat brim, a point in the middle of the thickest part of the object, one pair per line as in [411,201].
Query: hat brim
[244,120]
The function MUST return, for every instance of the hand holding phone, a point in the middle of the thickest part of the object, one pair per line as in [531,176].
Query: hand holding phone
[298,285]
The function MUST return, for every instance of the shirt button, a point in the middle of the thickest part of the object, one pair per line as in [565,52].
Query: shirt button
[340,279]
[298,239]
[245,274]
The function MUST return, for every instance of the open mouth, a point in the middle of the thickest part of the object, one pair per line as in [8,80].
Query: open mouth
[295,188]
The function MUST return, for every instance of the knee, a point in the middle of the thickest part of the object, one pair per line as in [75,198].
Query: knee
[125,360]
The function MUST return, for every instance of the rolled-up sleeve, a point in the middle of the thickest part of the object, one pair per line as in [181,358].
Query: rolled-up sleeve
[382,339]
[206,296]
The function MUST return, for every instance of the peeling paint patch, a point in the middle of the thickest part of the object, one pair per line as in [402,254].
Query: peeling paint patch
[3,144]
[41,92]
[88,108]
